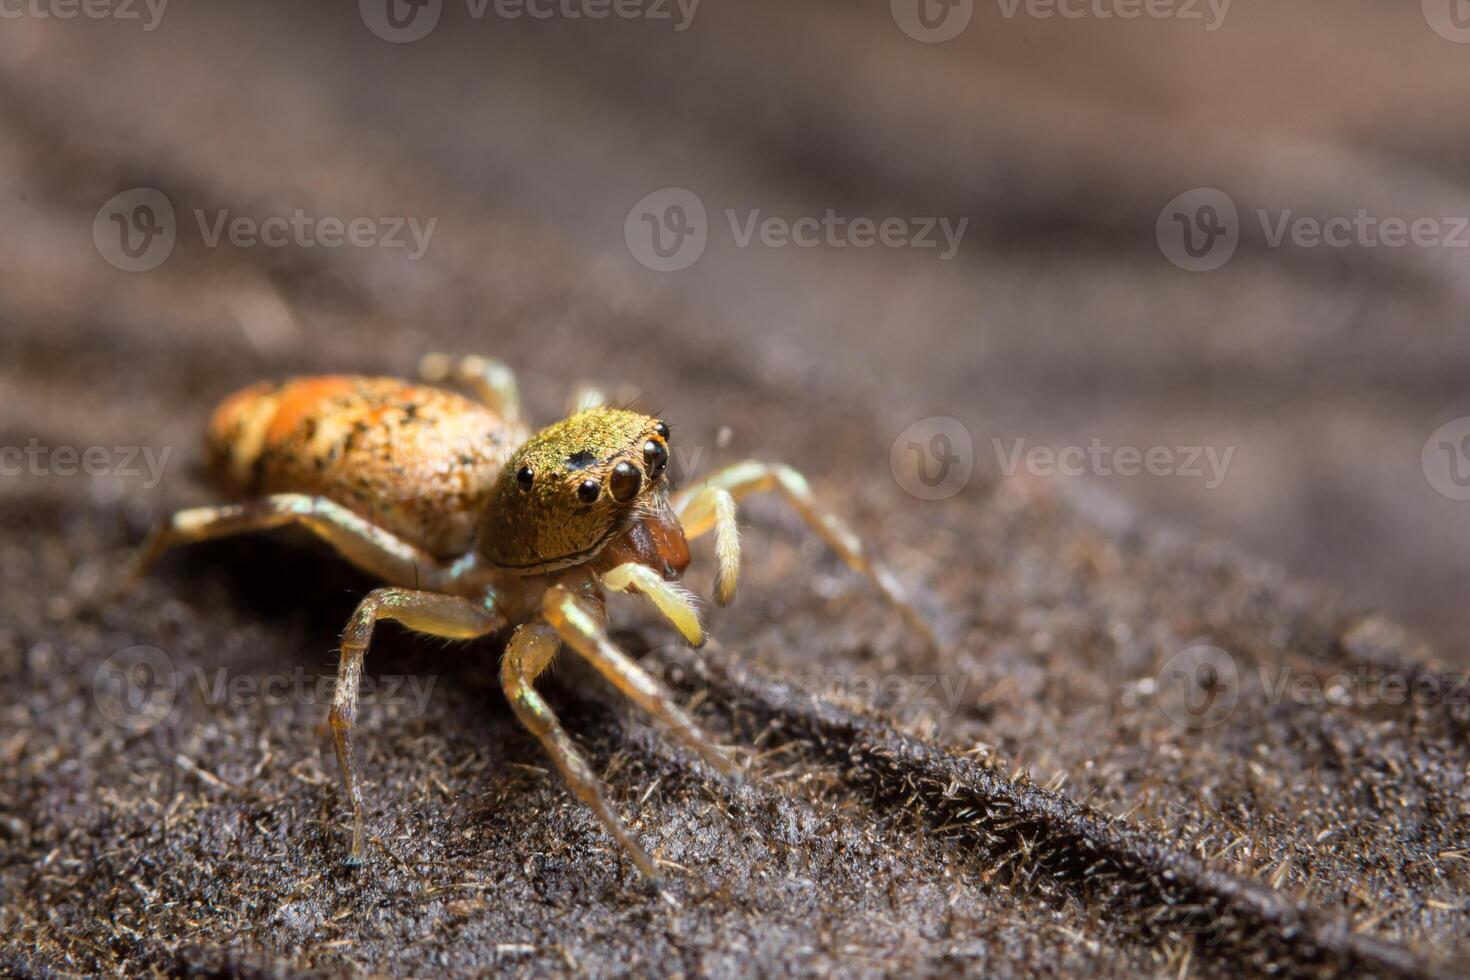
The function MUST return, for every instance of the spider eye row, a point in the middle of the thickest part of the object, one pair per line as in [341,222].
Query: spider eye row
[625,482]
[626,479]
[656,458]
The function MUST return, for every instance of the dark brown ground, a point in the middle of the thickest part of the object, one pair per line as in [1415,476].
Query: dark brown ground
[1290,835]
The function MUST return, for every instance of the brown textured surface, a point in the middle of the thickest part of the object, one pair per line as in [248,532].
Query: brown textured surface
[1293,836]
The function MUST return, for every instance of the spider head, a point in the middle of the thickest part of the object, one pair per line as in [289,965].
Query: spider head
[591,485]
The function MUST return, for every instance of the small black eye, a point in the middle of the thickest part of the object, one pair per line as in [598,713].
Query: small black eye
[524,477]
[625,482]
[662,430]
[588,491]
[656,457]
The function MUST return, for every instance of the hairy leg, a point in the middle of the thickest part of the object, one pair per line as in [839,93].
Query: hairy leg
[750,477]
[582,630]
[584,396]
[712,506]
[451,617]
[671,600]
[369,547]
[493,383]
[528,654]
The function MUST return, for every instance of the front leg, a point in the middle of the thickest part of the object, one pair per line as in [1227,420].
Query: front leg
[711,505]
[448,616]
[674,602]
[528,654]
[583,631]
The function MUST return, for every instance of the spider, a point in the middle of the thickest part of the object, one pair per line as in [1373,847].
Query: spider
[478,525]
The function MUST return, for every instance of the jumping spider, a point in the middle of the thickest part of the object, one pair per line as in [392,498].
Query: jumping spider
[478,525]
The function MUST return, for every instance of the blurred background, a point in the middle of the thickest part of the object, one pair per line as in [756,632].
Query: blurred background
[539,149]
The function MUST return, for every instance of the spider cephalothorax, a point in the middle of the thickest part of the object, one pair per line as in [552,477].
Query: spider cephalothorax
[589,483]
[478,527]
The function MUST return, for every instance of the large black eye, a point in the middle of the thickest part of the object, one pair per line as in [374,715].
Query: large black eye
[588,491]
[625,482]
[656,457]
[524,476]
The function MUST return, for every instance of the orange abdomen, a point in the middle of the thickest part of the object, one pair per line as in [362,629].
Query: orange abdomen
[417,461]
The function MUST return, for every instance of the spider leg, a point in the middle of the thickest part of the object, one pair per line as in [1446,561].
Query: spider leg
[673,602]
[529,652]
[448,616]
[742,479]
[493,383]
[584,396]
[583,632]
[369,547]
[712,506]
